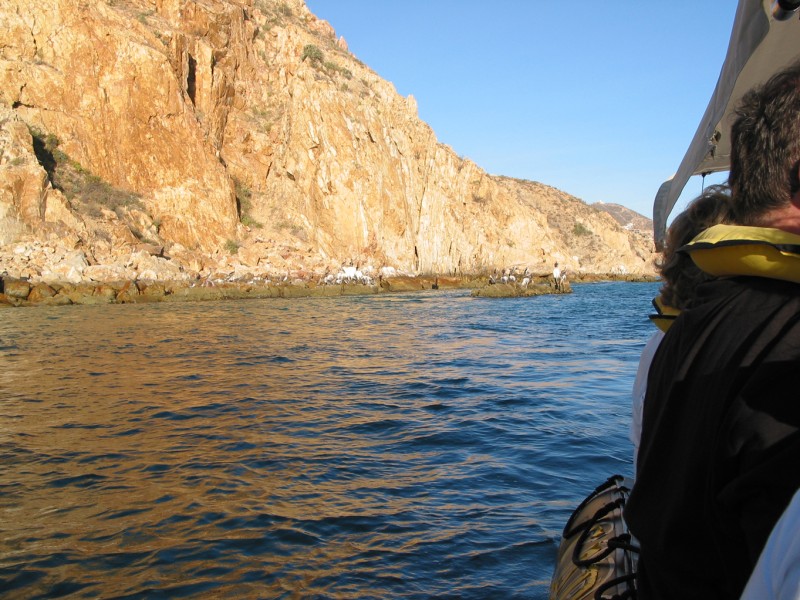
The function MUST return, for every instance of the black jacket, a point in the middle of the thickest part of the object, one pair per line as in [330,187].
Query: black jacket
[720,452]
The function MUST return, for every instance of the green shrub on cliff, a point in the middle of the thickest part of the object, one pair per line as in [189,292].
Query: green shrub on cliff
[317,58]
[581,229]
[87,192]
[244,204]
[313,54]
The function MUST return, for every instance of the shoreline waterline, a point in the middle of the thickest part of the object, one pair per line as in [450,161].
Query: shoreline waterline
[17,292]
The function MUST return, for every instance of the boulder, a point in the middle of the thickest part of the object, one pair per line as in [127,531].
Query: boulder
[16,288]
[40,291]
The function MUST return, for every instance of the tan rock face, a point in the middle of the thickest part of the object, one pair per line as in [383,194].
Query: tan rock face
[97,77]
[247,124]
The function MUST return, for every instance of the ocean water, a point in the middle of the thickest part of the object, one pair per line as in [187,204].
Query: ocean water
[427,445]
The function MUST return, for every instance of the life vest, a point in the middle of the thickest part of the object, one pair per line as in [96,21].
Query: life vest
[730,250]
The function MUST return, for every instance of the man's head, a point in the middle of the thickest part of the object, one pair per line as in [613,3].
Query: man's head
[765,148]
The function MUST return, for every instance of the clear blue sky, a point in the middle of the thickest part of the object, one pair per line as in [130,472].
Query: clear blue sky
[598,99]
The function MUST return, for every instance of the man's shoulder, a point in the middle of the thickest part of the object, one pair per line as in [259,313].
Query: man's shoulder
[732,316]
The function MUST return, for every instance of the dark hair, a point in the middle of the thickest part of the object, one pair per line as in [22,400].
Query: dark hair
[765,147]
[681,276]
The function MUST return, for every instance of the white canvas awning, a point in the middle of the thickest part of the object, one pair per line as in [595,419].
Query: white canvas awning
[759,46]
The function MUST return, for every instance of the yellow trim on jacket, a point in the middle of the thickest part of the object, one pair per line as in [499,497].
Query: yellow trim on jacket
[729,250]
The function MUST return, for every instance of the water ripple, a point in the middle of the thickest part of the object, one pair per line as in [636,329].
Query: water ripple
[403,446]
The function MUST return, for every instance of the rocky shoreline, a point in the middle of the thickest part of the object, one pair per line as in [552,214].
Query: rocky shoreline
[21,292]
[243,152]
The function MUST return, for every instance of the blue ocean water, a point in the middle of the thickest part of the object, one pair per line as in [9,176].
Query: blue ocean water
[427,445]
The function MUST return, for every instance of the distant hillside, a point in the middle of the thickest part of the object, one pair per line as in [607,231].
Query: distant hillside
[626,217]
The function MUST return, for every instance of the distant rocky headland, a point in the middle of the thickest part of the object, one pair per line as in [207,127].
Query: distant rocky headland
[188,149]
[22,292]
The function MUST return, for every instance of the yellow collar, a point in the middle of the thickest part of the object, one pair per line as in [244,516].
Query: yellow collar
[729,250]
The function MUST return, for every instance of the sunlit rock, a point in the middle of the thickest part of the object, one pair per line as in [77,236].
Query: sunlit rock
[244,139]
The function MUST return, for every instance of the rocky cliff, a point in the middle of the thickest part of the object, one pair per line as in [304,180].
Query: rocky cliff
[241,138]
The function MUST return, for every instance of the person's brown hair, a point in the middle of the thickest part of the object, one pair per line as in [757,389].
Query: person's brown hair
[765,147]
[681,276]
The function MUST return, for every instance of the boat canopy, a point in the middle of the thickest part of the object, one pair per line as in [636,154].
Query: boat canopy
[765,39]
